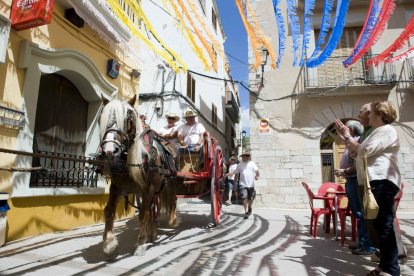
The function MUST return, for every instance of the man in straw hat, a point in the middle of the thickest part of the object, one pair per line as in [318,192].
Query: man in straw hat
[248,173]
[170,131]
[191,133]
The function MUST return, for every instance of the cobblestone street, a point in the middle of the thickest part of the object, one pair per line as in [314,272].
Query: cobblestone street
[270,242]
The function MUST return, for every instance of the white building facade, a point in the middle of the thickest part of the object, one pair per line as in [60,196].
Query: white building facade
[204,91]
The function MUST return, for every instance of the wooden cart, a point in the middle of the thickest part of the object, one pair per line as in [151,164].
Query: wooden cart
[202,174]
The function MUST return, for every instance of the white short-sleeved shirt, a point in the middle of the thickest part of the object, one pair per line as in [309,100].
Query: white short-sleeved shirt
[169,130]
[192,133]
[232,168]
[247,171]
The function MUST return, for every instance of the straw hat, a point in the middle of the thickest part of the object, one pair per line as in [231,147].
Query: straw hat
[245,153]
[189,113]
[172,115]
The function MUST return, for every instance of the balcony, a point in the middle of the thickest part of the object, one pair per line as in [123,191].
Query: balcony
[359,79]
[232,107]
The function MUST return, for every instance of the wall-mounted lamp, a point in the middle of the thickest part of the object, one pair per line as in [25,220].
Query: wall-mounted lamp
[135,73]
[242,135]
[264,55]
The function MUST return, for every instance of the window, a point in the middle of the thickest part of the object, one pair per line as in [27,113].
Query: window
[214,19]
[190,87]
[214,114]
[332,73]
[60,130]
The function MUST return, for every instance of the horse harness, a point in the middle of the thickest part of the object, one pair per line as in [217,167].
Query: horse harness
[152,143]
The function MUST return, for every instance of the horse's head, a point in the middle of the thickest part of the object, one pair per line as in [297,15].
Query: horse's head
[118,128]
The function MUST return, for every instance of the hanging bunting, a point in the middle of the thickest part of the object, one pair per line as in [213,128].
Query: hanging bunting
[120,13]
[250,33]
[369,25]
[217,46]
[200,36]
[307,28]
[140,13]
[281,30]
[398,44]
[405,55]
[326,24]
[295,27]
[384,15]
[261,37]
[190,38]
[341,12]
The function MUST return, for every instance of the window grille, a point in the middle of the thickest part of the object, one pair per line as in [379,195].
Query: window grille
[63,170]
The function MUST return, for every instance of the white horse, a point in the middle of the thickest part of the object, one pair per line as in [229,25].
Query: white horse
[138,165]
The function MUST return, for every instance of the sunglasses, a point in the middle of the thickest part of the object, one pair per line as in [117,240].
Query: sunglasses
[171,118]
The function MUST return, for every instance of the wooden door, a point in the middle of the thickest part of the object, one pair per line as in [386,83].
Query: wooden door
[338,150]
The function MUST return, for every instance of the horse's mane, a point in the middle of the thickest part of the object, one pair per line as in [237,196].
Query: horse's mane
[116,112]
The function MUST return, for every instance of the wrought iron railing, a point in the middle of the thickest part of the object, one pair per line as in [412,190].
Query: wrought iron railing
[62,170]
[333,74]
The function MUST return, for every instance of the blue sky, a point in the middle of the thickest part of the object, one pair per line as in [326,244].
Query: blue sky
[236,49]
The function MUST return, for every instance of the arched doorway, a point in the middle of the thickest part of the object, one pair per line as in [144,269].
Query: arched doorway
[332,150]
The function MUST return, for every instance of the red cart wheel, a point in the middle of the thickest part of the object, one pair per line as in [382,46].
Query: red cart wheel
[217,186]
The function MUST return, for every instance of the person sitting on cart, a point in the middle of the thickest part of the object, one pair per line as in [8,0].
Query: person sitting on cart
[170,131]
[191,134]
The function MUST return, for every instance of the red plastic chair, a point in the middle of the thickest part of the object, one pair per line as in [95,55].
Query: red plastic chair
[324,190]
[344,212]
[316,212]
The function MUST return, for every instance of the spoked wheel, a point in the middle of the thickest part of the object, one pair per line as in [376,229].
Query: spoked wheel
[217,187]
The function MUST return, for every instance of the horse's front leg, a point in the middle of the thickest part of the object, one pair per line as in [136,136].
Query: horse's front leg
[148,227]
[110,243]
[144,217]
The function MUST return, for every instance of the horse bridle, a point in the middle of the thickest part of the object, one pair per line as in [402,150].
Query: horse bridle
[127,139]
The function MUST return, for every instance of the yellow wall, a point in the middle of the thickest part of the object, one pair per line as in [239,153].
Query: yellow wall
[37,215]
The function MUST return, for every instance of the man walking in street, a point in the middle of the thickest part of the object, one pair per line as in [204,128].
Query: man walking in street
[247,174]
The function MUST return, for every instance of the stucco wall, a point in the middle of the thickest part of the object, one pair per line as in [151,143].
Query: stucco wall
[290,152]
[32,215]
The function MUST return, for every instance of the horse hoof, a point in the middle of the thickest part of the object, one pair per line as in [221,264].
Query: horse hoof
[140,250]
[111,250]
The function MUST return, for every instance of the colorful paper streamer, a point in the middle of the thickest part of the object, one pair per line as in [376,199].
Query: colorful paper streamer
[384,15]
[398,44]
[326,23]
[341,12]
[281,30]
[263,40]
[200,36]
[369,25]
[188,35]
[307,28]
[168,56]
[295,27]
